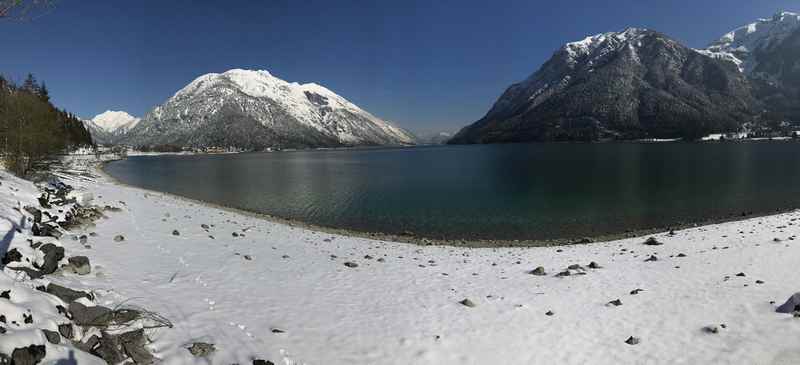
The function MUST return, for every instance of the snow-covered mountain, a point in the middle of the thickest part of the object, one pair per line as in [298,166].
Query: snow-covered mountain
[768,52]
[110,126]
[254,109]
[637,83]
[745,44]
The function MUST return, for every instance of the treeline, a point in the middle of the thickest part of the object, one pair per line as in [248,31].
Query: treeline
[31,128]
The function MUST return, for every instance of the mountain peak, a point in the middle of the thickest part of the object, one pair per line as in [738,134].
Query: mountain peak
[606,40]
[739,44]
[111,120]
[255,109]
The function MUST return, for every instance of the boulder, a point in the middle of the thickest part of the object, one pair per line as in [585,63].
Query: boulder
[12,255]
[792,304]
[90,316]
[52,255]
[52,336]
[633,340]
[133,343]
[539,271]
[652,241]
[30,355]
[201,349]
[66,294]
[45,230]
[110,349]
[89,344]
[119,238]
[65,330]
[80,265]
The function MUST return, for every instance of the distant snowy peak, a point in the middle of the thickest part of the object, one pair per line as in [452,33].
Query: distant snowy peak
[115,121]
[740,45]
[254,109]
[261,84]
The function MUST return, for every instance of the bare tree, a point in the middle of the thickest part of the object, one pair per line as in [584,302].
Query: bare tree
[25,9]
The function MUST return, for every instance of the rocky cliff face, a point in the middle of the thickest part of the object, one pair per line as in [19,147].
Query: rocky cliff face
[254,110]
[632,84]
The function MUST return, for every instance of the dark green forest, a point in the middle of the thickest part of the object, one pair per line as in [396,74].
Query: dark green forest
[32,128]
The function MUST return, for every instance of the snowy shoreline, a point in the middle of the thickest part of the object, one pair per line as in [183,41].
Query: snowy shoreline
[259,289]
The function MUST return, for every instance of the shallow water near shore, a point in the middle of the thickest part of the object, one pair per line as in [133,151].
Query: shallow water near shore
[497,192]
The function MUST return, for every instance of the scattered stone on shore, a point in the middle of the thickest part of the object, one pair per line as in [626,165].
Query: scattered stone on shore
[583,241]
[594,265]
[615,302]
[741,274]
[175,232]
[759,281]
[79,265]
[52,336]
[52,255]
[539,271]
[651,258]
[711,329]
[133,343]
[351,264]
[633,341]
[262,362]
[681,255]
[30,355]
[12,255]
[652,241]
[65,330]
[201,349]
[90,316]
[467,303]
[636,291]
[66,294]
[83,239]
[205,226]
[791,305]
[110,349]
[119,238]
[247,257]
[549,313]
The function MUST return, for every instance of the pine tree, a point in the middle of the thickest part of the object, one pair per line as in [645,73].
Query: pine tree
[43,93]
[30,85]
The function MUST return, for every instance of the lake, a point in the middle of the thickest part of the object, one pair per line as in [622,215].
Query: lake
[507,192]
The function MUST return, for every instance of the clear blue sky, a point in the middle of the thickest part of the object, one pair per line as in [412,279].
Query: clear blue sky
[425,65]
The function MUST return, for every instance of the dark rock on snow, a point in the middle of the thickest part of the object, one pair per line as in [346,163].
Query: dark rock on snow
[201,349]
[791,305]
[539,271]
[66,294]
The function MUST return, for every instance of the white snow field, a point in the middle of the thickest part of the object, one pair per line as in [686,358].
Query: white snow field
[284,294]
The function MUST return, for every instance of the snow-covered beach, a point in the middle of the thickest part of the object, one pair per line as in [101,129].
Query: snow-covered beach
[260,289]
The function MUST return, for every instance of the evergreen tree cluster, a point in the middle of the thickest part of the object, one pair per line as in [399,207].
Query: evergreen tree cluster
[31,128]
